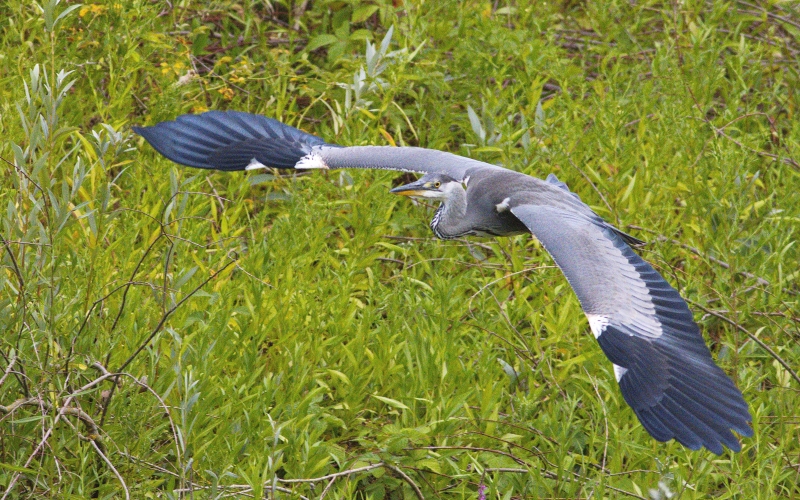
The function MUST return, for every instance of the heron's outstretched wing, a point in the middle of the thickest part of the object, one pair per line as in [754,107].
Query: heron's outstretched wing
[231,140]
[664,369]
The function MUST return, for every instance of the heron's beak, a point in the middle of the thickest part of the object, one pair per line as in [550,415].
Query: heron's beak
[417,188]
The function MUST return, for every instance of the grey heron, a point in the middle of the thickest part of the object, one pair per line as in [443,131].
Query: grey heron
[661,362]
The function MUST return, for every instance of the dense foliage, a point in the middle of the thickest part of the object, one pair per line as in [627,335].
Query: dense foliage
[175,333]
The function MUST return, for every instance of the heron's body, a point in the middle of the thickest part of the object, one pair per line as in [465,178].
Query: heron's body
[451,220]
[664,368]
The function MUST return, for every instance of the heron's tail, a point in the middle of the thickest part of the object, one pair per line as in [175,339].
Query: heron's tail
[229,140]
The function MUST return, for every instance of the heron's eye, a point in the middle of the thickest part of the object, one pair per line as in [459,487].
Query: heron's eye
[437,184]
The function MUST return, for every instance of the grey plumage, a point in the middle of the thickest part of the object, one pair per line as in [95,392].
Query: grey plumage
[664,368]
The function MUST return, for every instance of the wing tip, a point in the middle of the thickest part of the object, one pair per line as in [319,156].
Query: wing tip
[230,141]
[692,431]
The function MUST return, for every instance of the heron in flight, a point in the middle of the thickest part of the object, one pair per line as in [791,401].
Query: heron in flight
[664,368]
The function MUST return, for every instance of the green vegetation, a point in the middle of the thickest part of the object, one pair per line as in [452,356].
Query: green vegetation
[277,327]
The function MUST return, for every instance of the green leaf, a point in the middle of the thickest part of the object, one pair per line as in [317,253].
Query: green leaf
[475,122]
[260,179]
[67,11]
[17,468]
[337,50]
[391,402]
[360,35]
[505,11]
[185,278]
[24,420]
[362,13]
[320,41]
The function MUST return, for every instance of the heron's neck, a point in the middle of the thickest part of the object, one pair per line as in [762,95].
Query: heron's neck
[450,219]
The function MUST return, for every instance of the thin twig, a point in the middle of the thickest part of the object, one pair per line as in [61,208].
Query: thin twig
[407,480]
[334,475]
[169,312]
[42,441]
[216,195]
[8,369]
[605,416]
[113,469]
[327,488]
[473,448]
[718,131]
[130,282]
[23,306]
[721,263]
[17,271]
[94,431]
[769,14]
[393,261]
[242,490]
[149,464]
[252,276]
[634,122]
[25,174]
[788,160]
[16,404]
[172,427]
[752,336]
[298,12]
[331,478]
[594,186]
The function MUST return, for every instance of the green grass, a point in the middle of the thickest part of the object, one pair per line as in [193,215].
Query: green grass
[279,327]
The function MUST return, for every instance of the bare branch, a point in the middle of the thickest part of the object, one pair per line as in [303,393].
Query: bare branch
[8,369]
[474,448]
[407,480]
[721,263]
[327,488]
[755,339]
[113,469]
[169,312]
[334,475]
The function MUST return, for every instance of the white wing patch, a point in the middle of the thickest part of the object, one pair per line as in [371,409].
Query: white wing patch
[619,372]
[254,165]
[503,205]
[311,161]
[597,323]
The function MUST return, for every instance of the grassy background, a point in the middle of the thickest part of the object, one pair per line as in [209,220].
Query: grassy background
[274,327]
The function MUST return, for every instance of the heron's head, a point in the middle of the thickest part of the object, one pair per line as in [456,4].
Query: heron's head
[436,186]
